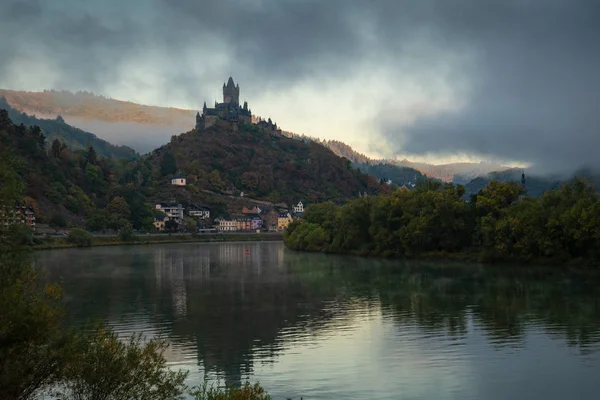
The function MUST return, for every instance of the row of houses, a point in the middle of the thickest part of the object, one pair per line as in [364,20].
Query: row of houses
[171,215]
[19,214]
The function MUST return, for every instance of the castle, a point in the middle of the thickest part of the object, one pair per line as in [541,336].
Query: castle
[230,110]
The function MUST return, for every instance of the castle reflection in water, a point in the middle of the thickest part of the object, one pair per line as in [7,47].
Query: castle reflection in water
[174,268]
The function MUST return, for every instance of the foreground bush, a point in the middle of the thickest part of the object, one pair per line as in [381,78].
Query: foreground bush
[80,238]
[104,367]
[246,392]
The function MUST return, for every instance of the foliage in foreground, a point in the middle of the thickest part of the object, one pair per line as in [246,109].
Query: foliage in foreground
[499,223]
[104,367]
[245,392]
[37,353]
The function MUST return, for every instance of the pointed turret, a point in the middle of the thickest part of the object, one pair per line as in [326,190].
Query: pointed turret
[198,120]
[204,108]
[231,92]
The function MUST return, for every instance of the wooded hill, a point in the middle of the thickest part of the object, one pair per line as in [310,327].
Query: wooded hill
[263,164]
[73,138]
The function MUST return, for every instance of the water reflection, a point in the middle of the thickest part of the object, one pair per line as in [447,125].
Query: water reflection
[330,324]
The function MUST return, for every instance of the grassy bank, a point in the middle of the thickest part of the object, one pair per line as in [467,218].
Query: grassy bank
[59,243]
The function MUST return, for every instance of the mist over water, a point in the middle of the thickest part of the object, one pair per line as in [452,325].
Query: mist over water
[330,327]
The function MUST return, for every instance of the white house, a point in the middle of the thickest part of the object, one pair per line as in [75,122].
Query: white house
[178,180]
[199,211]
[299,208]
[173,211]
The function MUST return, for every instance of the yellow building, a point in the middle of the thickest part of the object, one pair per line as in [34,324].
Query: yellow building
[283,221]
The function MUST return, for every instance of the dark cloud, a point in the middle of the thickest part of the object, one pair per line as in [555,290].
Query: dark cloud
[529,67]
[535,86]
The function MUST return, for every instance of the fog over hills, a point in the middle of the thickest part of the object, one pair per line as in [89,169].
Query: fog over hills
[513,82]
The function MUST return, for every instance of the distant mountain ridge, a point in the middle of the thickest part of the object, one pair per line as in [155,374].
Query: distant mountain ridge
[146,127]
[73,138]
[95,107]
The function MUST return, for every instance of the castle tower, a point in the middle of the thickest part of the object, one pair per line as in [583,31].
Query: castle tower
[199,120]
[231,92]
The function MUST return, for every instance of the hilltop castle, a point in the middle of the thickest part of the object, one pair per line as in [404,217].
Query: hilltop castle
[228,110]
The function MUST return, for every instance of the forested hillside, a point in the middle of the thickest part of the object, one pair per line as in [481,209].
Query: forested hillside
[73,138]
[72,186]
[262,164]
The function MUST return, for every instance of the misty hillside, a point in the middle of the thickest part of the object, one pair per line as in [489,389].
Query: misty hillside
[454,172]
[147,127]
[73,138]
[535,185]
[94,107]
[263,164]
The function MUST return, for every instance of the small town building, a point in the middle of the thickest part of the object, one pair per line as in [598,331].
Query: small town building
[19,214]
[243,222]
[160,221]
[173,210]
[299,208]
[199,211]
[256,222]
[253,210]
[283,221]
[178,180]
[226,224]
[270,217]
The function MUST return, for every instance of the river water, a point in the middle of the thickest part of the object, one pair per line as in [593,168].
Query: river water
[340,327]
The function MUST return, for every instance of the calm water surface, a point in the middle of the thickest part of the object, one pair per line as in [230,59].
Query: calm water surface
[335,327]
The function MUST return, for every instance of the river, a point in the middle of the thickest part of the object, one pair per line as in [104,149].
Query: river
[339,327]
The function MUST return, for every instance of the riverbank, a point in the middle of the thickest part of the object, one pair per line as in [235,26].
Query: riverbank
[60,243]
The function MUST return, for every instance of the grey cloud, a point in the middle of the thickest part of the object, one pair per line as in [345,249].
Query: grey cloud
[534,87]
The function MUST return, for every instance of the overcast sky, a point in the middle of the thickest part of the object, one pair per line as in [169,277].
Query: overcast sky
[499,79]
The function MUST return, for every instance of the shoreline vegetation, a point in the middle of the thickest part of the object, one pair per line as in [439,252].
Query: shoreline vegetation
[87,240]
[498,224]
[40,355]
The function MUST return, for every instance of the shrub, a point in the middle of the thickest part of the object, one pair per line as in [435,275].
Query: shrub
[245,392]
[126,234]
[80,238]
[105,367]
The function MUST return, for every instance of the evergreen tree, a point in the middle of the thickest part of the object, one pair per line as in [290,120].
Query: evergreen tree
[168,164]
[91,156]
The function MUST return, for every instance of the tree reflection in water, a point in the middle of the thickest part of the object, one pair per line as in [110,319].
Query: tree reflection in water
[234,308]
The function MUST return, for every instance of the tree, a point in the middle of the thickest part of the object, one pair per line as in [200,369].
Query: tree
[104,367]
[118,208]
[168,165]
[31,339]
[57,148]
[80,237]
[91,156]
[126,233]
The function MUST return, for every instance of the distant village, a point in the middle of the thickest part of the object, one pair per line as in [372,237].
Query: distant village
[172,216]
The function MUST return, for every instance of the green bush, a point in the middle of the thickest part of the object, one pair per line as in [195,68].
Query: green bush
[126,234]
[80,237]
[105,367]
[245,392]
